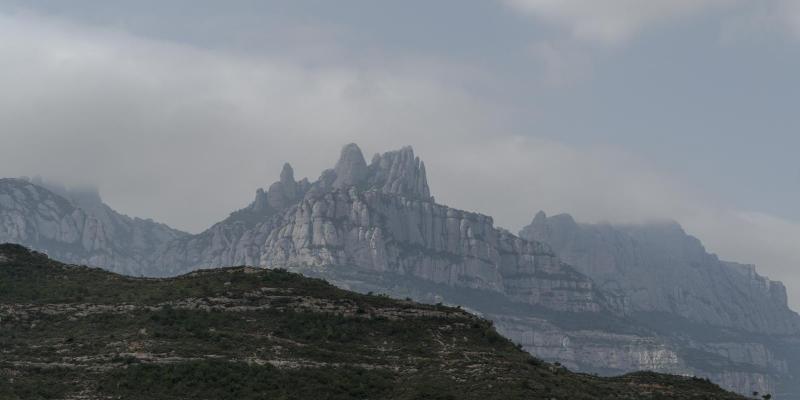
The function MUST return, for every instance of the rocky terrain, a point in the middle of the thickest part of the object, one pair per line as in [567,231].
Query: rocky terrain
[71,332]
[76,226]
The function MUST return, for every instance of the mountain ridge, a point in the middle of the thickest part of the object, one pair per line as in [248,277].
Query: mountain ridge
[376,227]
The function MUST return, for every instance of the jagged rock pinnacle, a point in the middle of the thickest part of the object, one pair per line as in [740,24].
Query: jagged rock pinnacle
[540,217]
[351,168]
[287,174]
[400,172]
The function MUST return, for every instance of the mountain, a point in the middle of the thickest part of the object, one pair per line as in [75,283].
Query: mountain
[712,310]
[76,226]
[376,227]
[246,333]
[381,218]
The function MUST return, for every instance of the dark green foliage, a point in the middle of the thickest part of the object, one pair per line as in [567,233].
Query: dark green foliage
[220,380]
[243,333]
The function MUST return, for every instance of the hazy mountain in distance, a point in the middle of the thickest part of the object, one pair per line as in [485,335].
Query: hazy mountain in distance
[74,225]
[670,283]
[657,267]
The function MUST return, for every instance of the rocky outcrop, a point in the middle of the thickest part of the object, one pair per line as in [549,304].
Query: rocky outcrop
[75,226]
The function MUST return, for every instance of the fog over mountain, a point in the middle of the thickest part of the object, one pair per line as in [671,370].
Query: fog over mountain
[516,106]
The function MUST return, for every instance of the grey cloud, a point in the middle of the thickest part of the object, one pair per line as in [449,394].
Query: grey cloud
[186,135]
[611,21]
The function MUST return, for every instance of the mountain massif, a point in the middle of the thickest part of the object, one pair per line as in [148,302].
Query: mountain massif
[71,332]
[601,299]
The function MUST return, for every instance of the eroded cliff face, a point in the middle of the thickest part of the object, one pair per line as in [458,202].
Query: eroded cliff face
[76,227]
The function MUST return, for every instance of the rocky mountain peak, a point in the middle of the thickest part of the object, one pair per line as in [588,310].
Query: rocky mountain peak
[543,228]
[287,174]
[282,193]
[397,172]
[539,218]
[400,172]
[351,169]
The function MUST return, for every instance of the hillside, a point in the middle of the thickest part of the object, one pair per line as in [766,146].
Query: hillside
[239,333]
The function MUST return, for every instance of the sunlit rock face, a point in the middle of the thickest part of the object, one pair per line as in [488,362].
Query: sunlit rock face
[77,227]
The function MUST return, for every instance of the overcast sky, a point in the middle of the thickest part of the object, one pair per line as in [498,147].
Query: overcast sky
[612,110]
